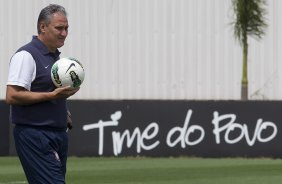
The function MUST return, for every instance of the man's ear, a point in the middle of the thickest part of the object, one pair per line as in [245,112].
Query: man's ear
[42,27]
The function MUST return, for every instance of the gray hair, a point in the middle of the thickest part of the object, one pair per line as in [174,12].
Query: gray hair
[47,12]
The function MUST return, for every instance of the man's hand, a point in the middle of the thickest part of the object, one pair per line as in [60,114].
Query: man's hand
[65,92]
[69,120]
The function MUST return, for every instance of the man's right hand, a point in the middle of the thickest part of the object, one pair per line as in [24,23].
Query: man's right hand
[65,92]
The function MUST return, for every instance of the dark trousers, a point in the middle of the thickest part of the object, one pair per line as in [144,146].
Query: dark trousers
[43,154]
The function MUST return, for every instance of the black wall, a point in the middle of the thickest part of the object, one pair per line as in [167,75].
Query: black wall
[4,129]
[171,128]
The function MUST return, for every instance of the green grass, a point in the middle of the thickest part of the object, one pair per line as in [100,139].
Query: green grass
[158,171]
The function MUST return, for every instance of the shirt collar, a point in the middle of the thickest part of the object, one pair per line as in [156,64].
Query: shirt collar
[43,48]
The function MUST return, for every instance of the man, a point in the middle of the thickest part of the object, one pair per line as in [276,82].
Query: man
[38,109]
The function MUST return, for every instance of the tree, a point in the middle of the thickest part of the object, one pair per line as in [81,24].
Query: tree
[249,21]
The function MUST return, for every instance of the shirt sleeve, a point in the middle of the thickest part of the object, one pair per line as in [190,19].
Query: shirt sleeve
[22,70]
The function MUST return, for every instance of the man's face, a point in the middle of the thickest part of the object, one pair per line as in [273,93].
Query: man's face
[56,31]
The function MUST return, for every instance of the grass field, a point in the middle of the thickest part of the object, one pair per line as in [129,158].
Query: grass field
[158,171]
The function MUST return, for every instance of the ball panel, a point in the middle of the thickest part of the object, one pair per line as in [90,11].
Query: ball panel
[55,75]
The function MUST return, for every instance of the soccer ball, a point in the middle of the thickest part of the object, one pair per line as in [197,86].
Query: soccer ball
[67,72]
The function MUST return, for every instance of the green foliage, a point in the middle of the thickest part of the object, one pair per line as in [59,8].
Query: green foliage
[249,19]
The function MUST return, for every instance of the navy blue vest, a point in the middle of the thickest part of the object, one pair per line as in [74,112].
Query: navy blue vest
[49,114]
